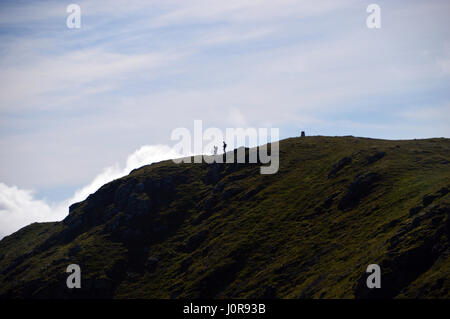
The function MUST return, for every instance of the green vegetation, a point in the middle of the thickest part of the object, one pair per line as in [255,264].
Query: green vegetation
[223,230]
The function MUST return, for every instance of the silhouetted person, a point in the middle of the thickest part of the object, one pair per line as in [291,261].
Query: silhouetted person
[224,146]
[215,150]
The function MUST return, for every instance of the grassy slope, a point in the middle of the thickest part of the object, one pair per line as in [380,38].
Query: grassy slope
[261,235]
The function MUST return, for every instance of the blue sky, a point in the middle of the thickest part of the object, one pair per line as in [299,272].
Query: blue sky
[78,102]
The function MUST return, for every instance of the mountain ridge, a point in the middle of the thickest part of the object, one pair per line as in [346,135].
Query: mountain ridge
[171,230]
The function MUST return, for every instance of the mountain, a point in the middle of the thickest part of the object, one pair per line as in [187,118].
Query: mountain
[336,205]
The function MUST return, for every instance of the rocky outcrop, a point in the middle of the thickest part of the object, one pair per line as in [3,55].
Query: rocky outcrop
[194,241]
[360,187]
[224,230]
[339,165]
[377,156]
[415,247]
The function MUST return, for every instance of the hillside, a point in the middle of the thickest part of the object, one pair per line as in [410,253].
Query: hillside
[170,230]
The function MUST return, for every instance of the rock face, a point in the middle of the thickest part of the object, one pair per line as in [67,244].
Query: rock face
[213,174]
[194,241]
[428,199]
[415,210]
[361,186]
[375,157]
[410,255]
[224,230]
[339,165]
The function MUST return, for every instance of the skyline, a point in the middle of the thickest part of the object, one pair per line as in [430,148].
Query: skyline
[77,103]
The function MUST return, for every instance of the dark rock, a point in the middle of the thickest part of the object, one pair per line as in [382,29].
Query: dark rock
[386,227]
[101,198]
[213,174]
[185,264]
[339,165]
[266,292]
[394,277]
[117,271]
[236,177]
[360,187]
[251,193]
[74,206]
[132,276]
[428,199]
[443,191]
[122,194]
[214,281]
[209,203]
[437,220]
[74,250]
[138,206]
[233,167]
[194,241]
[139,188]
[376,157]
[328,202]
[415,210]
[175,294]
[16,262]
[202,217]
[151,185]
[128,235]
[311,288]
[219,187]
[409,253]
[73,222]
[110,213]
[230,192]
[317,210]
[114,223]
[168,183]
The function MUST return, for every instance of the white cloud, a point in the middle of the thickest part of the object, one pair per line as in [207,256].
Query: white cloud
[19,207]
[71,76]
[145,155]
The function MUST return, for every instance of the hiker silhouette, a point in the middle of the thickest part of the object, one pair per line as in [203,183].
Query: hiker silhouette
[224,146]
[215,150]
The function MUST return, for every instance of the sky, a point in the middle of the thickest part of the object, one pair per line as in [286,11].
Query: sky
[80,107]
